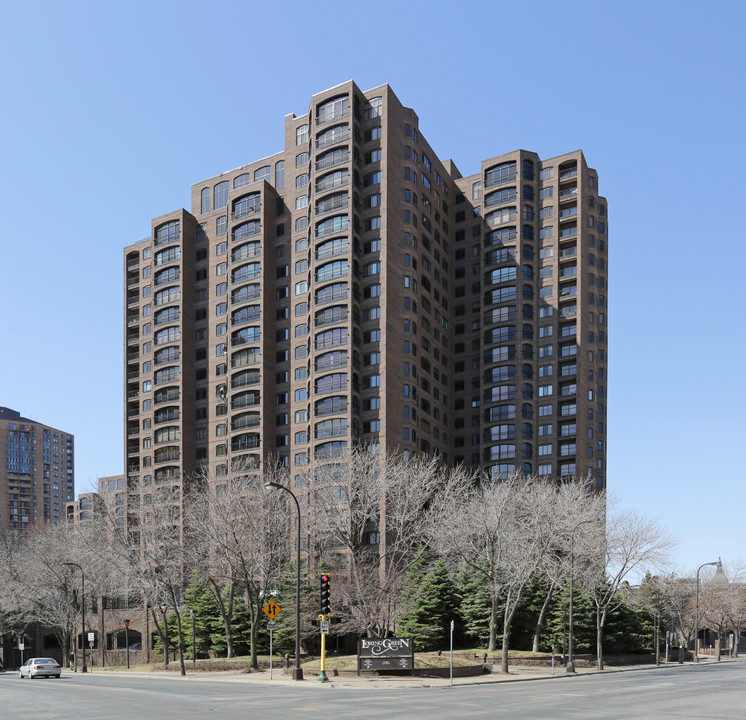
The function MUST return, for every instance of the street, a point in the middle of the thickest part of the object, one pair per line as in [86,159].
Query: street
[709,690]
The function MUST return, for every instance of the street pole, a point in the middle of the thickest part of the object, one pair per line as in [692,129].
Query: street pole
[83,667]
[696,614]
[450,679]
[127,640]
[297,670]
[194,635]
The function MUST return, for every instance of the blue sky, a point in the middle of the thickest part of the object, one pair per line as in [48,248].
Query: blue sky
[112,111]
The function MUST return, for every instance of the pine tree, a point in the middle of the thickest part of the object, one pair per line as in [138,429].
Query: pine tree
[209,635]
[475,608]
[432,602]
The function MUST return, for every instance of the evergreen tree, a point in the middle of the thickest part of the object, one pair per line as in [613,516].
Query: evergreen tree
[475,608]
[209,635]
[432,602]
[527,614]
[584,624]
[284,635]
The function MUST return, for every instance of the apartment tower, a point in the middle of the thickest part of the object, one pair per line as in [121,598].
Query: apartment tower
[355,287]
[36,472]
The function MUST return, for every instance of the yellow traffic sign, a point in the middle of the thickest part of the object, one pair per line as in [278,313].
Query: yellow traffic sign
[272,609]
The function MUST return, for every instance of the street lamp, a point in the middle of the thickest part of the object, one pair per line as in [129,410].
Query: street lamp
[297,670]
[127,639]
[82,604]
[194,642]
[696,615]
[570,667]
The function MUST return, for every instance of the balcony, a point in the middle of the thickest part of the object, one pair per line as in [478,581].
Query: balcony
[568,194]
[331,319]
[245,210]
[329,183]
[133,282]
[337,249]
[166,238]
[332,204]
[323,298]
[332,138]
[332,116]
[336,158]
[246,231]
[133,339]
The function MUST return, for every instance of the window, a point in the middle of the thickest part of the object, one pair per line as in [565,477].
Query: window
[205,201]
[301,135]
[373,108]
[263,173]
[220,195]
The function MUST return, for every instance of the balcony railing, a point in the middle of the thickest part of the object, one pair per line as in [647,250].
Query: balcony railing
[333,204]
[331,116]
[332,182]
[245,211]
[333,138]
[333,160]
[334,319]
[332,252]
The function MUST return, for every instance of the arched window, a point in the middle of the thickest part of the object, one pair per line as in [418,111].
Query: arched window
[220,195]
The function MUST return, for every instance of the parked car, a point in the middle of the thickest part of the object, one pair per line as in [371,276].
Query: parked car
[40,667]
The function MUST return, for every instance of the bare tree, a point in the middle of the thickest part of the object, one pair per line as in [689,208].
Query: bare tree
[149,553]
[38,587]
[722,601]
[509,532]
[576,514]
[368,516]
[635,544]
[243,533]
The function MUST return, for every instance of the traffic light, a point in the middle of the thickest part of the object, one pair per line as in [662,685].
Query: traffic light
[325,604]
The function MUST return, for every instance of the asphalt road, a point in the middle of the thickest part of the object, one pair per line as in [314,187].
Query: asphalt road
[711,691]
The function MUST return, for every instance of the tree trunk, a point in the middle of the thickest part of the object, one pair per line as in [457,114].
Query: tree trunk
[255,609]
[504,653]
[226,613]
[492,646]
[182,667]
[163,633]
[511,605]
[542,618]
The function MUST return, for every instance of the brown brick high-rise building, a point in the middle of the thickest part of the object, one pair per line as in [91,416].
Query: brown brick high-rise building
[37,475]
[353,286]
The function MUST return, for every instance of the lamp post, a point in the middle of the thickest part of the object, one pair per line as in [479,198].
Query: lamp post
[83,667]
[297,670]
[194,642]
[127,639]
[696,614]
[570,667]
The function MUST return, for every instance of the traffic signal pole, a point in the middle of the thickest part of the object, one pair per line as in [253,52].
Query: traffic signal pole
[323,622]
[322,671]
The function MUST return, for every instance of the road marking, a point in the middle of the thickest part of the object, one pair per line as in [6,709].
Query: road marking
[308,709]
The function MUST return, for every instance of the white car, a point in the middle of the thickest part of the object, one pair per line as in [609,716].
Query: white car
[40,667]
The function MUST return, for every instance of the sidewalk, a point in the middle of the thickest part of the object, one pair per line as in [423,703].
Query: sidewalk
[517,674]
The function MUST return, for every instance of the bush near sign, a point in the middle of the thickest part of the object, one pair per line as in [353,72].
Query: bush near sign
[385,654]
